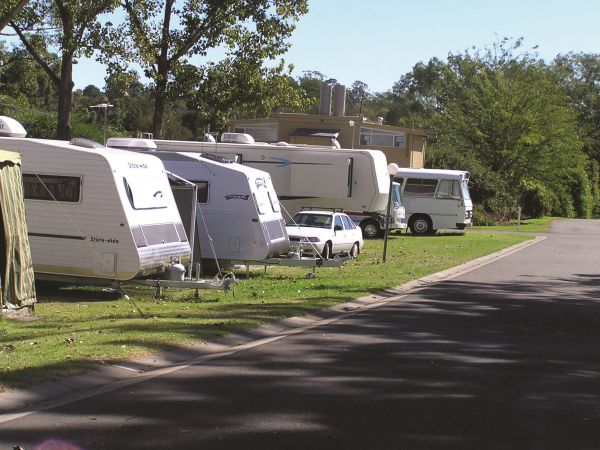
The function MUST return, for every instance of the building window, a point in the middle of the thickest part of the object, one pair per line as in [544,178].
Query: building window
[264,132]
[52,188]
[380,138]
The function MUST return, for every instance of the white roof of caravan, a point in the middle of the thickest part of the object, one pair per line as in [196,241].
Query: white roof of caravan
[93,149]
[432,173]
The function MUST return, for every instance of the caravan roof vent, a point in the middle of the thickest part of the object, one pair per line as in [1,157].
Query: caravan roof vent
[139,144]
[85,143]
[11,128]
[237,138]
[283,144]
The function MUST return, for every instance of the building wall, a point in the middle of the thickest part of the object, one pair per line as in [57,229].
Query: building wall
[281,126]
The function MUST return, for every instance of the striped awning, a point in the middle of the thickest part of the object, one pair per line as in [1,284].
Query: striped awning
[17,285]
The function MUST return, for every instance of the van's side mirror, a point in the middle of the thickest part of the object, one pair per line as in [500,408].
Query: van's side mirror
[337,228]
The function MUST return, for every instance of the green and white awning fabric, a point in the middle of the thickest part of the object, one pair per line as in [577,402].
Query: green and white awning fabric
[17,285]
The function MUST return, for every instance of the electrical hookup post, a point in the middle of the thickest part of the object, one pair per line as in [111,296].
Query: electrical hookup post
[519,218]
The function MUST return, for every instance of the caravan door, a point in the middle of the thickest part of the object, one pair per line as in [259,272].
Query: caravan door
[312,179]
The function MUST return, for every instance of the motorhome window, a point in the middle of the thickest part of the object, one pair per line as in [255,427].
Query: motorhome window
[350,172]
[52,187]
[348,224]
[420,187]
[400,141]
[396,197]
[448,189]
[144,194]
[274,203]
[464,185]
[201,191]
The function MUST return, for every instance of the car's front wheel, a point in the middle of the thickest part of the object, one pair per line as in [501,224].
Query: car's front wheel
[326,253]
[354,250]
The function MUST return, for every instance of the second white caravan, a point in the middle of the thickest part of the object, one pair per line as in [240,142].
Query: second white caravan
[238,217]
[435,199]
[96,213]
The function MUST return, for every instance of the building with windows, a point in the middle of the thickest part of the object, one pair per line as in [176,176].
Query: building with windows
[403,146]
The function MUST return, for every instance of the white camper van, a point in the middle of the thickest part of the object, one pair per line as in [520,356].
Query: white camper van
[308,176]
[96,213]
[238,216]
[435,199]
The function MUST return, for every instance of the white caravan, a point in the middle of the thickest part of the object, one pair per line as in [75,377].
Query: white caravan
[308,176]
[435,199]
[96,213]
[237,213]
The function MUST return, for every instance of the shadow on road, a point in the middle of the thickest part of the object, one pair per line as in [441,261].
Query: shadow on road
[461,365]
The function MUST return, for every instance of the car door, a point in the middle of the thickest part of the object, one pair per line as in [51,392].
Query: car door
[339,237]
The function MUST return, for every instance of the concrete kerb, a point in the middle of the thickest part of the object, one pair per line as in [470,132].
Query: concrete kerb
[21,402]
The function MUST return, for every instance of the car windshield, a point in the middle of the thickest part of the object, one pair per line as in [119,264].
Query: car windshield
[311,220]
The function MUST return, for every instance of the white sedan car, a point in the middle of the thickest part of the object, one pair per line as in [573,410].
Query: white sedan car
[324,232]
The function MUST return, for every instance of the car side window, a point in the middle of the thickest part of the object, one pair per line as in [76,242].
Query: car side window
[348,224]
[338,222]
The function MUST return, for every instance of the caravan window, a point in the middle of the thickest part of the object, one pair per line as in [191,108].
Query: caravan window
[420,187]
[143,193]
[274,203]
[52,187]
[448,189]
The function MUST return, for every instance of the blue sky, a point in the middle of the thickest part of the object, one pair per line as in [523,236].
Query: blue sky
[377,41]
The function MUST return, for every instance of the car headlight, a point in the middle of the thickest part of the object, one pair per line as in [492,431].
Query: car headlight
[311,239]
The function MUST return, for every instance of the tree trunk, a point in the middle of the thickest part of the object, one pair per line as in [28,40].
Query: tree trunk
[160,100]
[65,98]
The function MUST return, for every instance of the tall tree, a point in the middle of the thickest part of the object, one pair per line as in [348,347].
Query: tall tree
[162,36]
[73,28]
[501,114]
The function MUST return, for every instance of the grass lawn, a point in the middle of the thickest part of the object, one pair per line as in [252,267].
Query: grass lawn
[540,225]
[80,328]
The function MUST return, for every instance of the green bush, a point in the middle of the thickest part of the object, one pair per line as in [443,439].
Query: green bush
[536,199]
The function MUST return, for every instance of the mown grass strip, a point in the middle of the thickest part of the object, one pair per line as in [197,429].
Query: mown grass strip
[81,328]
[540,225]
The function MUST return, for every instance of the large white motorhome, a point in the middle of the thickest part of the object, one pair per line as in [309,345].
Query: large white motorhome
[354,180]
[96,213]
[238,216]
[435,199]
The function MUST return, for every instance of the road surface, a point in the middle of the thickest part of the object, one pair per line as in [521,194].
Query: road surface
[503,357]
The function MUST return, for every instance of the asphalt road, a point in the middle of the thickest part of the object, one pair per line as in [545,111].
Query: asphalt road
[503,357]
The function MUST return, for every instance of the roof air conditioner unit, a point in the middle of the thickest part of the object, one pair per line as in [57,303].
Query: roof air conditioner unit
[131,144]
[9,127]
[237,138]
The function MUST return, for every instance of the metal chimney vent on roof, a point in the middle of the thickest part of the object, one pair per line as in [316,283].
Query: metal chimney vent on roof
[325,100]
[339,100]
